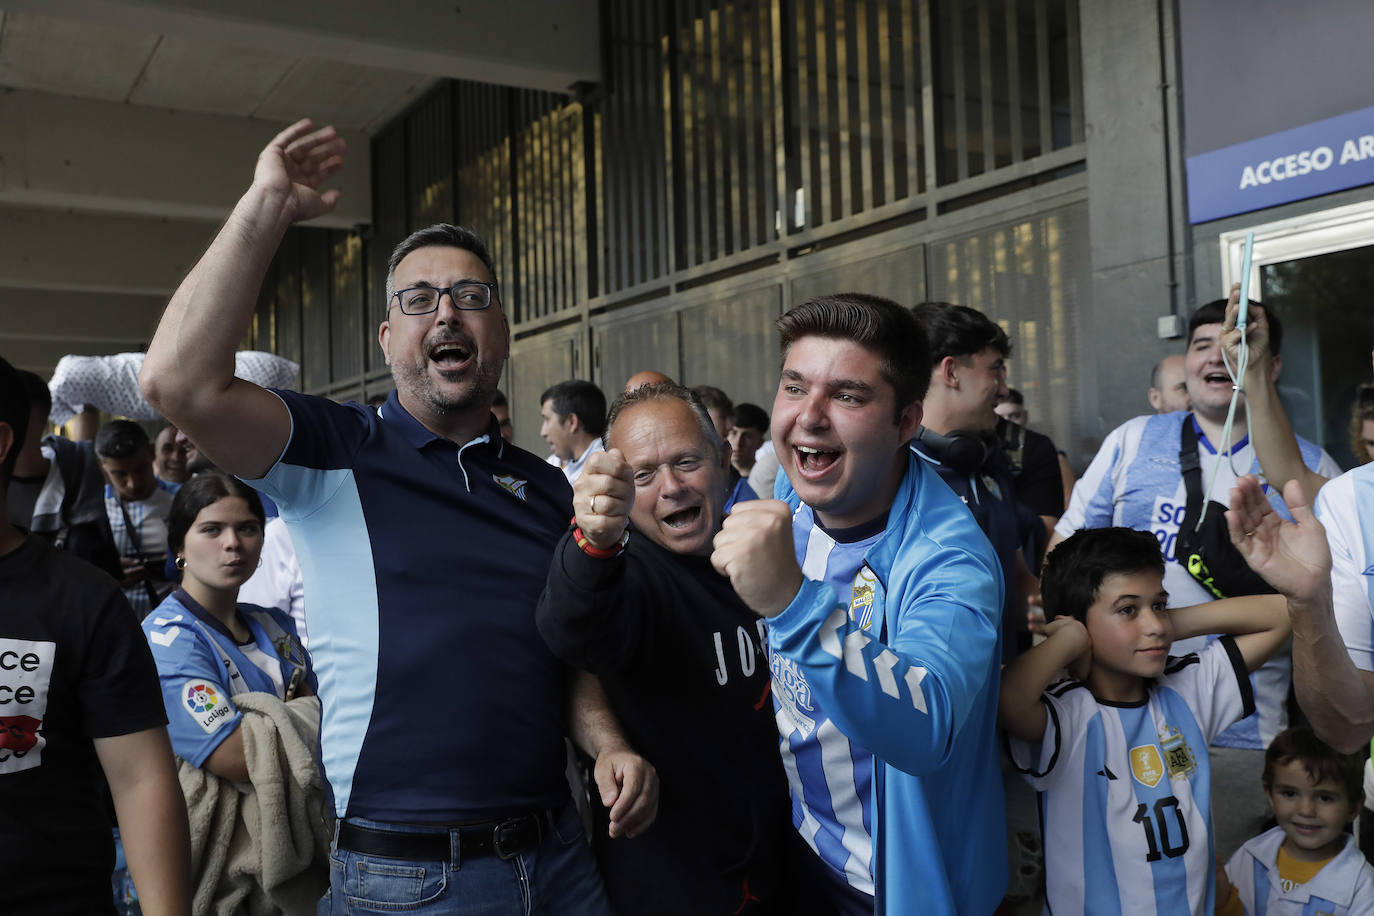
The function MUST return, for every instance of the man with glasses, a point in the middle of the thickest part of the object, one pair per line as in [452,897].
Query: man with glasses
[423,538]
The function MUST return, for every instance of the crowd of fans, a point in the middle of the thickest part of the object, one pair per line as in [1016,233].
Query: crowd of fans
[873,648]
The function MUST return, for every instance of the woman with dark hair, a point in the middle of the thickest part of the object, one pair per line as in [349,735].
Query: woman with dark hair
[230,673]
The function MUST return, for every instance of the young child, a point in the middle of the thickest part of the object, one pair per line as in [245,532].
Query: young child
[1308,863]
[1119,753]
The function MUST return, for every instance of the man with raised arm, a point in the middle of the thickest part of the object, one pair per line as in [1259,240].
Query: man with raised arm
[1323,563]
[423,538]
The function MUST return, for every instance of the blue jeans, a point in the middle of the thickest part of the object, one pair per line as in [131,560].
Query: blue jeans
[556,878]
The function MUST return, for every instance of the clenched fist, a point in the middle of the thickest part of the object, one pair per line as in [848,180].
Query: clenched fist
[602,498]
[754,549]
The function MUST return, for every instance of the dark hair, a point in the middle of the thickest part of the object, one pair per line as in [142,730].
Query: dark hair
[959,331]
[1322,762]
[120,439]
[443,235]
[499,399]
[14,413]
[1363,410]
[206,489]
[1214,312]
[714,398]
[664,391]
[874,323]
[751,416]
[1015,397]
[1074,570]
[581,398]
[37,390]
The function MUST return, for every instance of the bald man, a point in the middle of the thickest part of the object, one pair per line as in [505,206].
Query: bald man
[1168,385]
[645,377]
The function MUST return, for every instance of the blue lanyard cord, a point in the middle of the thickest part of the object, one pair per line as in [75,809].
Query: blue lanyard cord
[1237,378]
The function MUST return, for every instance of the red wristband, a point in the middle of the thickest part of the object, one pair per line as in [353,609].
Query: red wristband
[600,553]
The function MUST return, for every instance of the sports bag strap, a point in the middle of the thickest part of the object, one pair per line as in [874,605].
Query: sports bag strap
[1188,460]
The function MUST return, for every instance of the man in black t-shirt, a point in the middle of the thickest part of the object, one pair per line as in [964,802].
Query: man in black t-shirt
[633,598]
[79,698]
[1041,476]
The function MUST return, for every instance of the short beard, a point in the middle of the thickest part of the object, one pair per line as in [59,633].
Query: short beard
[478,392]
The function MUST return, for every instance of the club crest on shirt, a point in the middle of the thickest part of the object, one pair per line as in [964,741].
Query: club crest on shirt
[203,702]
[1146,766]
[290,648]
[1178,756]
[861,597]
[512,485]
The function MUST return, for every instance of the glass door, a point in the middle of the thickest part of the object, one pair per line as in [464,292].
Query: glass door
[1316,273]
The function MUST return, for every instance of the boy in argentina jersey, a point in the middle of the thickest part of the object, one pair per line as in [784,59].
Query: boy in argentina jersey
[1136,480]
[1119,754]
[884,603]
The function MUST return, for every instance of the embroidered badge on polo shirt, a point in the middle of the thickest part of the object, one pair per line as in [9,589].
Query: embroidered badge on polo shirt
[207,703]
[512,485]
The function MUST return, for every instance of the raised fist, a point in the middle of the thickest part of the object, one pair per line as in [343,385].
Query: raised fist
[754,550]
[602,498]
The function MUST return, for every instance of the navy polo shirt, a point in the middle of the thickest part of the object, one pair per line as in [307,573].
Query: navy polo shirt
[423,562]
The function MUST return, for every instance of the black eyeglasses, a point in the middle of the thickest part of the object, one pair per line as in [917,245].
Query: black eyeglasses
[468,295]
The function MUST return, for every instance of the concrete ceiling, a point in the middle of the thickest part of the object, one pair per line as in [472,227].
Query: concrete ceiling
[128,128]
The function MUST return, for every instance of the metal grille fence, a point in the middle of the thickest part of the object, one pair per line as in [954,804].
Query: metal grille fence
[726,139]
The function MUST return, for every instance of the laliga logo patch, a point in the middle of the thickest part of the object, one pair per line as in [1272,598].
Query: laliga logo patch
[1146,765]
[512,485]
[201,697]
[203,703]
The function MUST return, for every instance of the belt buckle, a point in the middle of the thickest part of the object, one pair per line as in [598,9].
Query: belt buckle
[505,839]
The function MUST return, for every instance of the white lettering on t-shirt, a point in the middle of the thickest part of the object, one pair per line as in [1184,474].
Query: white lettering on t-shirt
[1164,523]
[25,674]
[747,650]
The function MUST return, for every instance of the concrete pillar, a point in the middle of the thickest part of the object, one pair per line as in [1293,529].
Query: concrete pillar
[1133,200]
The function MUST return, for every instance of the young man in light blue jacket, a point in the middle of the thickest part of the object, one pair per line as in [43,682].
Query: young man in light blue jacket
[883,601]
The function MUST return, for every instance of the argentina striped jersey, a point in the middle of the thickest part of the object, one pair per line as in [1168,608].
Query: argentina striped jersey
[1125,789]
[1135,481]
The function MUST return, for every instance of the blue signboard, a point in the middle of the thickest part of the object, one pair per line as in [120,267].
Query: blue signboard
[1317,158]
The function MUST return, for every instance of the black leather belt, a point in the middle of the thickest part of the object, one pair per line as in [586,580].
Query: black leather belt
[505,837]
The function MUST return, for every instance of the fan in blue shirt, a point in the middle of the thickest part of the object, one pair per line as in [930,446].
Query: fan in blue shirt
[883,601]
